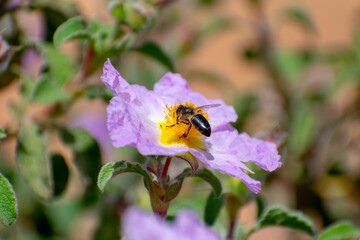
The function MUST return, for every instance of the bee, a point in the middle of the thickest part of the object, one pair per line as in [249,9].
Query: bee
[193,117]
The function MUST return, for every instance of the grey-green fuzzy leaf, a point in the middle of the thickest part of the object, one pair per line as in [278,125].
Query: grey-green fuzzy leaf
[2,133]
[340,230]
[32,160]
[278,216]
[8,203]
[71,29]
[112,169]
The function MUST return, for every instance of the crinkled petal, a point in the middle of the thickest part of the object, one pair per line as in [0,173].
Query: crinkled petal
[115,82]
[130,124]
[228,151]
[262,153]
[133,116]
[173,89]
[186,226]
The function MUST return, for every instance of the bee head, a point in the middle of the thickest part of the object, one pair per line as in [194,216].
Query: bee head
[180,109]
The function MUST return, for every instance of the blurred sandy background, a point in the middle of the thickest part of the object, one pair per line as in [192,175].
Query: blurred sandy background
[334,23]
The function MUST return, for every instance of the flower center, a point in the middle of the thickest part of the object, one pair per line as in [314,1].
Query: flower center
[176,131]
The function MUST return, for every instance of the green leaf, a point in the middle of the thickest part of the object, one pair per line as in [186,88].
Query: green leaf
[54,15]
[2,133]
[340,230]
[136,14]
[300,16]
[71,29]
[47,91]
[153,50]
[100,34]
[209,177]
[110,170]
[213,207]
[176,184]
[277,216]
[27,87]
[32,160]
[59,71]
[59,216]
[291,64]
[188,157]
[303,129]
[60,67]
[261,205]
[117,9]
[8,202]
[204,174]
[173,190]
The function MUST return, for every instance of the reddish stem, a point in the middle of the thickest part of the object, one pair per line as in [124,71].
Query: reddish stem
[86,67]
[150,169]
[157,189]
[231,229]
[89,56]
[157,196]
[232,204]
[166,167]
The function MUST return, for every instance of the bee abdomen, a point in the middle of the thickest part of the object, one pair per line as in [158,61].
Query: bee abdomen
[201,124]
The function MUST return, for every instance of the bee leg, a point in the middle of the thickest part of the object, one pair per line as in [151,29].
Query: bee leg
[177,122]
[187,133]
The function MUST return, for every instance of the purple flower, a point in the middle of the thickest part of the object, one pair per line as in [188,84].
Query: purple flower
[140,225]
[13,4]
[141,118]
[31,63]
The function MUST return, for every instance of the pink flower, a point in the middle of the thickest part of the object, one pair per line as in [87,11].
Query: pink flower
[142,118]
[139,225]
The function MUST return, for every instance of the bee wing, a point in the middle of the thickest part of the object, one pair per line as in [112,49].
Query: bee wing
[207,107]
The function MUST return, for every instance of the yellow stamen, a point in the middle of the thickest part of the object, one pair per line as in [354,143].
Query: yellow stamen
[175,134]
